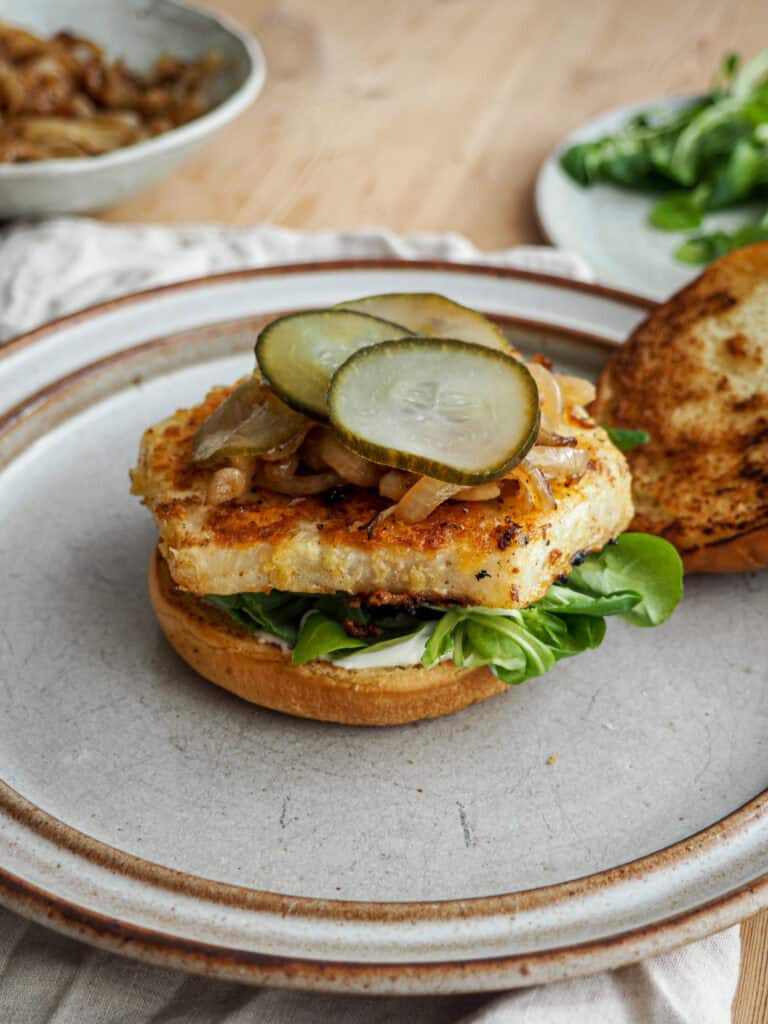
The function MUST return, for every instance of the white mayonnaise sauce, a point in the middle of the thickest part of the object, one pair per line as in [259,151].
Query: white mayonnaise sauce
[406,652]
[270,638]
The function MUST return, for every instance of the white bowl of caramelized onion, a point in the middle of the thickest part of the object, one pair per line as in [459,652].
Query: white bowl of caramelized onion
[100,98]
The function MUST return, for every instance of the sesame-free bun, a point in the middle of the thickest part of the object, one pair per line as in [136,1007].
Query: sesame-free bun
[694,374]
[221,651]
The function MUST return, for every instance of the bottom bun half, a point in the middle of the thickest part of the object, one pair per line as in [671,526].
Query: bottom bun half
[221,651]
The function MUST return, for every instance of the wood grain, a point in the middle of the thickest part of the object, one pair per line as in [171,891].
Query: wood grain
[751,1003]
[434,115]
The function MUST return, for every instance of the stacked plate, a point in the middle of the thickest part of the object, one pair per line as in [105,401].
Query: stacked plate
[605,812]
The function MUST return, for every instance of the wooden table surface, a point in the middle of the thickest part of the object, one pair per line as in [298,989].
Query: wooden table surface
[433,115]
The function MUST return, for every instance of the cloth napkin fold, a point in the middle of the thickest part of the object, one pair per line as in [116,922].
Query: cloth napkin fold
[51,268]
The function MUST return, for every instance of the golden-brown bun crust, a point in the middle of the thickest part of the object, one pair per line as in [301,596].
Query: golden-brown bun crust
[225,654]
[694,374]
[745,553]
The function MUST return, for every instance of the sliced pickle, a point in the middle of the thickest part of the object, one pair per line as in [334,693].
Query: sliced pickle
[250,421]
[298,354]
[433,316]
[441,407]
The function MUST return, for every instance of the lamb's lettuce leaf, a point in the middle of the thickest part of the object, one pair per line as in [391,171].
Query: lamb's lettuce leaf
[278,612]
[706,155]
[639,579]
[320,636]
[563,599]
[626,440]
[423,632]
[638,563]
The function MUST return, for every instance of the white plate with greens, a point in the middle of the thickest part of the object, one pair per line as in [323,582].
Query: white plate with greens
[600,814]
[648,208]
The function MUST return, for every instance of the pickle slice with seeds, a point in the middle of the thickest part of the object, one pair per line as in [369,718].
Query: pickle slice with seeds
[298,354]
[433,316]
[441,407]
[250,421]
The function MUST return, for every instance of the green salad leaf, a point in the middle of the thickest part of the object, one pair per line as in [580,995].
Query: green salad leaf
[564,600]
[706,155]
[640,564]
[319,636]
[639,579]
[423,632]
[705,248]
[278,612]
[625,440]
[677,212]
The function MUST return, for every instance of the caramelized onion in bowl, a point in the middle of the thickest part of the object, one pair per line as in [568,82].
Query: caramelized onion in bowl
[61,97]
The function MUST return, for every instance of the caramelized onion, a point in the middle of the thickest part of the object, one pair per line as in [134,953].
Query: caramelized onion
[540,491]
[550,398]
[348,464]
[555,440]
[395,483]
[417,501]
[558,462]
[287,448]
[515,487]
[575,390]
[312,450]
[247,463]
[226,484]
[379,518]
[423,498]
[480,492]
[276,473]
[62,97]
[312,483]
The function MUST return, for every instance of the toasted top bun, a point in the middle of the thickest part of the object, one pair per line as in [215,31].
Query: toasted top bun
[496,553]
[224,653]
[695,376]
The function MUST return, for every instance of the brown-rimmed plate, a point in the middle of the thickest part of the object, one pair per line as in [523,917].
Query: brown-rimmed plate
[607,811]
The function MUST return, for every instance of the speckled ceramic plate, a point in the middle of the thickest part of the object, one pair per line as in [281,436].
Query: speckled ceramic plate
[609,225]
[609,810]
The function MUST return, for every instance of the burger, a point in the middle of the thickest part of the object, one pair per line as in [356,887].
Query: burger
[393,517]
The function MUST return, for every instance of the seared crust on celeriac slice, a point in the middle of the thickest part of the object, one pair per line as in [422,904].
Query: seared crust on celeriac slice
[695,376]
[495,553]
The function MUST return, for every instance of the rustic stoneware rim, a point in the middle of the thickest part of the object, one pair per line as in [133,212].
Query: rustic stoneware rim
[331,266]
[357,976]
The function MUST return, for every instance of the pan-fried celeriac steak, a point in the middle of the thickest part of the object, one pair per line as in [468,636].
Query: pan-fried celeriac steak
[496,553]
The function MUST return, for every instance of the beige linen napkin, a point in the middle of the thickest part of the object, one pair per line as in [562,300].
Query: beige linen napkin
[51,268]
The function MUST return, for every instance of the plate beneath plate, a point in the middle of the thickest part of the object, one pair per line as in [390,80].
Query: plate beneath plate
[608,225]
[144,809]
